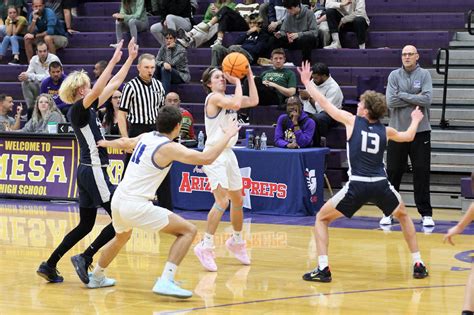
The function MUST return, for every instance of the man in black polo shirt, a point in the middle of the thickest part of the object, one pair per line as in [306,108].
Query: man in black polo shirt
[142,97]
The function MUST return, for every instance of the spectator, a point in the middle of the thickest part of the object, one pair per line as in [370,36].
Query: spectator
[323,27]
[408,87]
[273,14]
[50,85]
[230,20]
[175,15]
[132,18]
[8,123]
[196,37]
[62,9]
[99,67]
[299,29]
[36,72]
[252,44]
[4,5]
[44,25]
[172,62]
[141,99]
[347,15]
[187,122]
[110,121]
[45,111]
[15,30]
[328,87]
[294,129]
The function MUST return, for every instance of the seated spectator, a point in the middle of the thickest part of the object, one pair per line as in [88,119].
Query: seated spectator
[175,15]
[299,29]
[44,25]
[99,67]
[4,5]
[230,20]
[172,62]
[252,44]
[187,122]
[45,111]
[273,14]
[110,120]
[295,129]
[196,37]
[347,15]
[132,18]
[8,123]
[325,84]
[15,30]
[50,85]
[62,9]
[323,27]
[36,72]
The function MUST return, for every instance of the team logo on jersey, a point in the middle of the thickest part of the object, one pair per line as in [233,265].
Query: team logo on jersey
[190,183]
[311,183]
[417,84]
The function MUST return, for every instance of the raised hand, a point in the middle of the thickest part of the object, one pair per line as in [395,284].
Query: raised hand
[305,72]
[231,79]
[117,53]
[416,114]
[132,48]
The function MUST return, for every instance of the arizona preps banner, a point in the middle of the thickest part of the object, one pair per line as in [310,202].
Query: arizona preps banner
[45,167]
[275,181]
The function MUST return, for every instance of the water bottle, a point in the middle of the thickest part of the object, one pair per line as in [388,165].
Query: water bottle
[250,141]
[257,143]
[263,141]
[201,140]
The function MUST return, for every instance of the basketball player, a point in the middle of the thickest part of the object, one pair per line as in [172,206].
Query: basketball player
[468,307]
[132,202]
[366,141]
[224,174]
[93,182]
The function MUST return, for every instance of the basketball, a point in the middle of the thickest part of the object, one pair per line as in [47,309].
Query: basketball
[236,64]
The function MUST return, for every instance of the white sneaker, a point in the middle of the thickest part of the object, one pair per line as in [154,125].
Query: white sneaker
[113,45]
[169,288]
[386,220]
[428,221]
[217,42]
[333,45]
[99,282]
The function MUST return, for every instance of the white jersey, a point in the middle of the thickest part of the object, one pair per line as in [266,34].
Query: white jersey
[214,124]
[143,177]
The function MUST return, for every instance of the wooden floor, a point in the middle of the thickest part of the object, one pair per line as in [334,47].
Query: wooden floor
[371,272]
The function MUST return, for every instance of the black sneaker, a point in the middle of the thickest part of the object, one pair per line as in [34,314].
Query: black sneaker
[318,275]
[419,271]
[81,264]
[14,62]
[48,273]
[243,120]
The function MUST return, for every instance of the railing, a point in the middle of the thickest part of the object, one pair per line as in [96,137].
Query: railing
[443,123]
[469,22]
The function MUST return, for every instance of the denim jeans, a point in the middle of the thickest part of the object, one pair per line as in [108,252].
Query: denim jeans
[167,77]
[15,41]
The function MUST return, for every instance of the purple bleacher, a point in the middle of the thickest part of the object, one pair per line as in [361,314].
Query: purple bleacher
[416,21]
[418,6]
[466,188]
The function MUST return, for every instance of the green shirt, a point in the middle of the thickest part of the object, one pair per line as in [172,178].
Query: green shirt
[208,15]
[283,77]
[136,10]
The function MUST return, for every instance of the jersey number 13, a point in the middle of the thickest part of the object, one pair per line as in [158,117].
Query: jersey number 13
[370,142]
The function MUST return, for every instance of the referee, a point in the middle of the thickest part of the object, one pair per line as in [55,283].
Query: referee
[142,97]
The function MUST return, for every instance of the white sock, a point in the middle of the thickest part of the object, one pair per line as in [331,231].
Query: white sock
[323,262]
[362,46]
[169,271]
[237,236]
[99,271]
[335,38]
[416,257]
[208,240]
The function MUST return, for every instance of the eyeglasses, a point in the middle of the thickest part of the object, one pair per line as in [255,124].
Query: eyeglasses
[116,97]
[411,54]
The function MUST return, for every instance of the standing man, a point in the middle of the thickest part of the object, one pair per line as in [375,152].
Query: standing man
[141,99]
[36,72]
[408,87]
[51,85]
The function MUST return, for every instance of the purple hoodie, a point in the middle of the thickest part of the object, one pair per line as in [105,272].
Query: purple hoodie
[304,136]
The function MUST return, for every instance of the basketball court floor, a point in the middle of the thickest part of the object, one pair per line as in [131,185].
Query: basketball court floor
[371,267]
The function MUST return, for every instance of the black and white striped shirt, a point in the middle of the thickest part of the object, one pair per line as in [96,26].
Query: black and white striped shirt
[141,100]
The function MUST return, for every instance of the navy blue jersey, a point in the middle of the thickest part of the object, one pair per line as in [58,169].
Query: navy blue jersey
[87,126]
[365,149]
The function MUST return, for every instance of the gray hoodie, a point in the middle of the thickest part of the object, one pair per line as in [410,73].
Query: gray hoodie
[304,23]
[405,91]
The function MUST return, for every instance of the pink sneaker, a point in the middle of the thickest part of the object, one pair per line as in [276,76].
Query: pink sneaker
[239,250]
[206,257]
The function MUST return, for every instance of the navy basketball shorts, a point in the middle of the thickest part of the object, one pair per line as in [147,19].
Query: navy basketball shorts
[94,186]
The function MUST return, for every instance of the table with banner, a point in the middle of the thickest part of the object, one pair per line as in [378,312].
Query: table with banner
[275,181]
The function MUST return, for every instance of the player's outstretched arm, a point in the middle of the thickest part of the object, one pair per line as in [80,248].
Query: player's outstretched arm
[409,134]
[458,228]
[178,152]
[123,143]
[341,116]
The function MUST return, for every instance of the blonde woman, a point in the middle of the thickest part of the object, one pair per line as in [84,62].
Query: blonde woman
[92,179]
[44,112]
